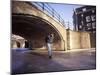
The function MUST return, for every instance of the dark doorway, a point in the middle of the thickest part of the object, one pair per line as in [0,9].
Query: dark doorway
[27,44]
[18,44]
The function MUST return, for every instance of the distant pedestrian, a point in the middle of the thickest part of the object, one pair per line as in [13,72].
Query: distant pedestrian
[49,40]
[26,44]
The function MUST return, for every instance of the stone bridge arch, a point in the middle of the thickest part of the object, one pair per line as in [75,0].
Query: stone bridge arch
[34,25]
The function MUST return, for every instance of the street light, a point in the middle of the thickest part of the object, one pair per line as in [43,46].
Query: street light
[68,23]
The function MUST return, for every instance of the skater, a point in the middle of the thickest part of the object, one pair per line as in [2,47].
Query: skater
[49,40]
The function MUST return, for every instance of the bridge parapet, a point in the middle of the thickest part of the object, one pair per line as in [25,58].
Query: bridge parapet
[47,9]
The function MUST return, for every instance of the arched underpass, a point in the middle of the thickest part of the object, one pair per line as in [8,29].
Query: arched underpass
[34,29]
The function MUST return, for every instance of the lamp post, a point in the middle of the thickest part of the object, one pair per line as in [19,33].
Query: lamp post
[67,25]
[68,36]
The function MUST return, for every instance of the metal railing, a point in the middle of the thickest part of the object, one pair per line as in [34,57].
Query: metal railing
[46,8]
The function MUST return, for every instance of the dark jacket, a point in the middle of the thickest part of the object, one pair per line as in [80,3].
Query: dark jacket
[49,39]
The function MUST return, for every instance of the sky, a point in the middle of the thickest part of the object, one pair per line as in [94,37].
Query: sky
[66,12]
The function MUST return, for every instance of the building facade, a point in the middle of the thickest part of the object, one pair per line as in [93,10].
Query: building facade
[84,18]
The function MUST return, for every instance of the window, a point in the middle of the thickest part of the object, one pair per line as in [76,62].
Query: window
[93,17]
[80,27]
[89,28]
[84,9]
[94,25]
[88,25]
[82,22]
[81,15]
[93,11]
[88,19]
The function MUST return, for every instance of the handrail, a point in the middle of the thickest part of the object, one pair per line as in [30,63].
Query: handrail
[51,12]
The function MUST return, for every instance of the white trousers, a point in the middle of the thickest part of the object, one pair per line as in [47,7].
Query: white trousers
[49,47]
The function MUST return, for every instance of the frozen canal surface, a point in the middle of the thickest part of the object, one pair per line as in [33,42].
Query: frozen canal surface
[26,61]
